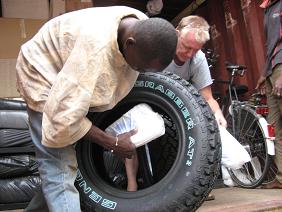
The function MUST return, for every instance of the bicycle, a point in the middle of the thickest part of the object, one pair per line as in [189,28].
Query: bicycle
[247,123]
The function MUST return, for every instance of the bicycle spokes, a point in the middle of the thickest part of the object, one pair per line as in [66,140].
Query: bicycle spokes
[245,127]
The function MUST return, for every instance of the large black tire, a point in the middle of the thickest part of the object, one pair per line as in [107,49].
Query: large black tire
[185,161]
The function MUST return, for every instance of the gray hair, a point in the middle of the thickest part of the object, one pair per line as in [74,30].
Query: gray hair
[198,25]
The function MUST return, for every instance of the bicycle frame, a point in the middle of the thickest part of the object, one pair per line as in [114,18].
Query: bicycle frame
[251,130]
[234,102]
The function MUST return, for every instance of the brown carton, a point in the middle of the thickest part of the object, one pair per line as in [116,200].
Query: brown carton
[14,32]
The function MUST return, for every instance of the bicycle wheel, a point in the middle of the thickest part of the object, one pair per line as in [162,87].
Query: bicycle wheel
[271,174]
[248,131]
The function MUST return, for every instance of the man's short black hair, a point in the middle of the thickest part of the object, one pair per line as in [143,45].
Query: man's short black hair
[156,39]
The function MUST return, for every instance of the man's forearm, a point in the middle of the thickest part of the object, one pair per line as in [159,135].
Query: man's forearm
[121,145]
[99,137]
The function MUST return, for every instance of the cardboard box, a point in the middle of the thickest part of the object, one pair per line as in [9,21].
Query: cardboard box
[57,7]
[77,5]
[15,33]
[8,78]
[28,9]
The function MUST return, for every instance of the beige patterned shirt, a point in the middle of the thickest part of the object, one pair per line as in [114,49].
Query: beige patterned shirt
[71,65]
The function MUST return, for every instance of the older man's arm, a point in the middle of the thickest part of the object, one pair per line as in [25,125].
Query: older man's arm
[207,94]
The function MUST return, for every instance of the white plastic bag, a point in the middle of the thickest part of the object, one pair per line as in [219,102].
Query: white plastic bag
[150,124]
[227,180]
[234,154]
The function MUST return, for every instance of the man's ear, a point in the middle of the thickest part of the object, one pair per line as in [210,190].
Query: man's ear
[177,32]
[130,41]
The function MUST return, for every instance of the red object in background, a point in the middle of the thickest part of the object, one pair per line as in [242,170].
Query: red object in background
[271,131]
[262,110]
[263,100]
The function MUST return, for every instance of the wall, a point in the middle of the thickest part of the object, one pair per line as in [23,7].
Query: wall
[237,36]
[20,23]
[236,32]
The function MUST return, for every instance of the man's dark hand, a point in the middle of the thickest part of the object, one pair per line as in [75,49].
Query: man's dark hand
[125,148]
[260,87]
[277,87]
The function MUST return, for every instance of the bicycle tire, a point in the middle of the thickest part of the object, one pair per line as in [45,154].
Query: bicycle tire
[272,172]
[250,134]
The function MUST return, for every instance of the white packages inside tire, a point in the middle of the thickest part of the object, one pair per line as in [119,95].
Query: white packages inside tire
[150,124]
[234,155]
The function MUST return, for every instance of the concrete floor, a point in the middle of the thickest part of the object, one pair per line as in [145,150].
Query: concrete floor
[239,200]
